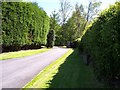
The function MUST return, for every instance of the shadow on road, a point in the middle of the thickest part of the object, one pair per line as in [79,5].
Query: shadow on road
[73,73]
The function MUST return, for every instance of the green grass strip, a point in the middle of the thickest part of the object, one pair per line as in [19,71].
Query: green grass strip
[21,53]
[43,79]
[69,71]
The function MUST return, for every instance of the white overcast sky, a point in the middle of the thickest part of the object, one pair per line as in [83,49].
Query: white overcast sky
[51,5]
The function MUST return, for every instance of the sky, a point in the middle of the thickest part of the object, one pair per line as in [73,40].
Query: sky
[51,5]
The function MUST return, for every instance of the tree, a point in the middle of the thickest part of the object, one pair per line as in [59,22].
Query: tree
[65,10]
[92,11]
[54,20]
[74,25]
[50,39]
[54,24]
[79,19]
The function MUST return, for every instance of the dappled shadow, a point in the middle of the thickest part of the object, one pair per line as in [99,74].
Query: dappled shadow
[73,73]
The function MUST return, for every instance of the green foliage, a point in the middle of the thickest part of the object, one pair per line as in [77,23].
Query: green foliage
[54,20]
[73,29]
[23,24]
[50,39]
[69,68]
[102,42]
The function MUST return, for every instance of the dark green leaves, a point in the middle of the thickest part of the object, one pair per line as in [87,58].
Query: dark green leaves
[102,42]
[24,24]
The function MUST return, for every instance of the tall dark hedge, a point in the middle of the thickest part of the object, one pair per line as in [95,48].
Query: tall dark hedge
[50,39]
[102,42]
[23,24]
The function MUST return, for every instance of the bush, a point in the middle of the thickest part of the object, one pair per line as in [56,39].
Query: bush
[102,42]
[23,24]
[50,39]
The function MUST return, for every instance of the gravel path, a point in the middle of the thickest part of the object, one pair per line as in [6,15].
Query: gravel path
[18,72]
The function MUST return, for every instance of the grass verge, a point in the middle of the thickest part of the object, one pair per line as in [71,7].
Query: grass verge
[69,71]
[21,53]
[42,79]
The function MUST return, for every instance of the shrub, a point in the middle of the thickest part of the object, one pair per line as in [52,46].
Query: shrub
[102,42]
[50,39]
[23,24]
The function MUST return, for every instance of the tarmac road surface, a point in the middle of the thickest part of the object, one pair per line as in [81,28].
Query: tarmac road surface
[19,71]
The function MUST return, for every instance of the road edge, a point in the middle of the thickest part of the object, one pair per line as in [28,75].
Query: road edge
[48,68]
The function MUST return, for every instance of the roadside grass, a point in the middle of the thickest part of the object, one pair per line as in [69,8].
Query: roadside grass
[47,74]
[63,46]
[69,71]
[22,53]
[75,74]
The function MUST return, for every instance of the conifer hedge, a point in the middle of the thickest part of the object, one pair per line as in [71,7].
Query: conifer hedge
[102,42]
[24,24]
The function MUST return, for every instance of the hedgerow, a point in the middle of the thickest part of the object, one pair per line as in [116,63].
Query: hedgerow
[24,24]
[102,42]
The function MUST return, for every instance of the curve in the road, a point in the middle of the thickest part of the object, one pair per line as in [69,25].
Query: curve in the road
[18,72]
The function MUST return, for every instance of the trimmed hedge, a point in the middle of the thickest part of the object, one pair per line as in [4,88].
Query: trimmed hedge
[102,43]
[23,25]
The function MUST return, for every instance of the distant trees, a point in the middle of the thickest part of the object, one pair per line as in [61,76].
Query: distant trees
[54,20]
[92,11]
[24,25]
[78,17]
[65,10]
[78,20]
[55,25]
[73,27]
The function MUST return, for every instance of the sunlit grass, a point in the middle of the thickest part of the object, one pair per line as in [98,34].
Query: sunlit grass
[69,71]
[62,46]
[21,53]
[43,78]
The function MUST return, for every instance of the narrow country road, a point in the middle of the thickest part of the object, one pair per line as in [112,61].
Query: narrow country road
[18,72]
